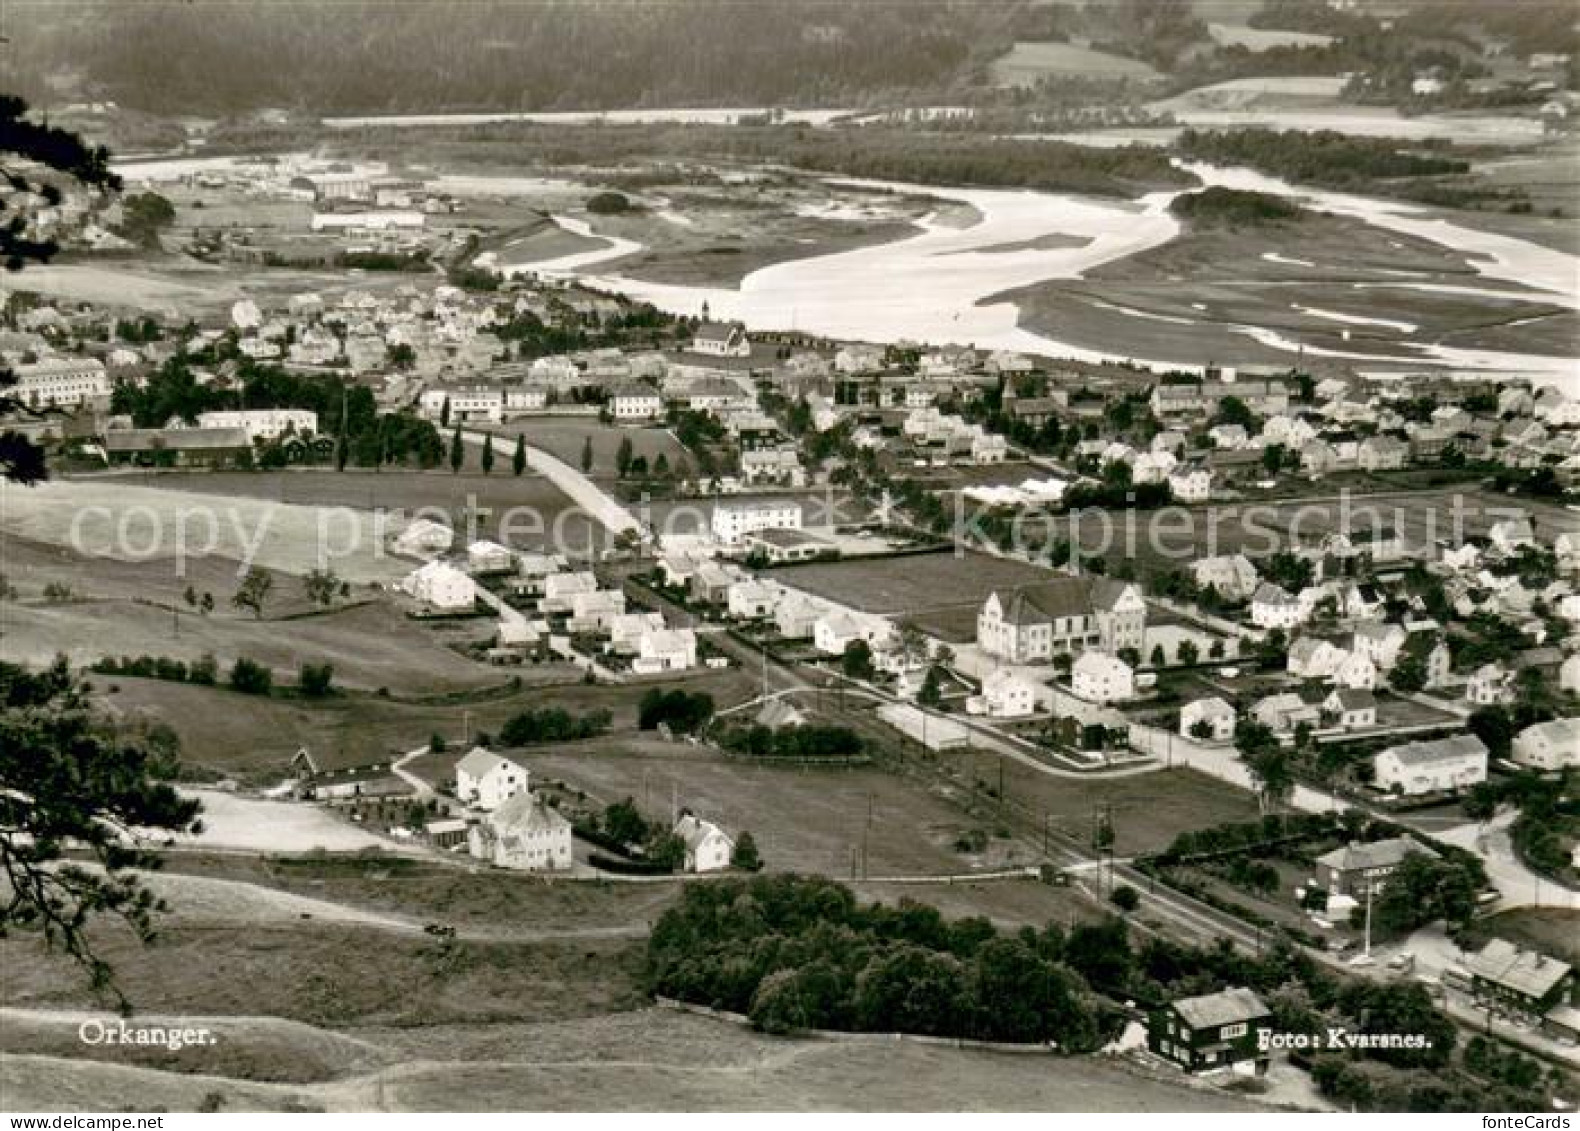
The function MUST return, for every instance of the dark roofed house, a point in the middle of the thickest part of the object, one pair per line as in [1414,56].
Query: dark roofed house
[178,447]
[1354,868]
[1526,981]
[1213,1031]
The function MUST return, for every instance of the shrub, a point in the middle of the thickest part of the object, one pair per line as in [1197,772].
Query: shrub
[251,678]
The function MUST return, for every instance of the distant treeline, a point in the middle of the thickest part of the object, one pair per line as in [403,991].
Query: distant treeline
[880,152]
[1322,157]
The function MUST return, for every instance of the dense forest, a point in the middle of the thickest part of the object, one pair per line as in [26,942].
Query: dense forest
[1234,207]
[362,56]
[1323,157]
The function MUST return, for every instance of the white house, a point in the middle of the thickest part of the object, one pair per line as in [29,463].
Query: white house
[442,586]
[1351,708]
[484,780]
[422,537]
[1356,672]
[262,423]
[1005,695]
[1193,485]
[1511,534]
[1216,713]
[627,629]
[60,381]
[1231,575]
[593,612]
[1569,674]
[1099,677]
[484,556]
[796,617]
[1312,657]
[721,339]
[633,403]
[751,599]
[708,847]
[560,590]
[523,833]
[1431,767]
[666,650]
[1490,685]
[833,632]
[1035,623]
[1274,607]
[1551,745]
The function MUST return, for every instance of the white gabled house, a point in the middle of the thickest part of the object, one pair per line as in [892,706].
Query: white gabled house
[441,586]
[1005,695]
[708,847]
[1274,607]
[1439,766]
[1216,713]
[1099,677]
[665,650]
[484,780]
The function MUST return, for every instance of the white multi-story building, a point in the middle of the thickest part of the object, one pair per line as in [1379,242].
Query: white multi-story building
[1274,607]
[631,403]
[523,833]
[262,423]
[61,382]
[1035,623]
[731,522]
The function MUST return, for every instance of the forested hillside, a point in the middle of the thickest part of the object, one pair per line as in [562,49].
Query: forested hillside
[361,56]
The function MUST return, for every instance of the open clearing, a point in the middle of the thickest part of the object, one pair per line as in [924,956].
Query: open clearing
[803,819]
[1027,63]
[115,516]
[121,608]
[646,1059]
[1149,810]
[256,737]
[935,589]
[527,511]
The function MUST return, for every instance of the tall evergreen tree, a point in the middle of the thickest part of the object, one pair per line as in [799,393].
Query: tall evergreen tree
[488,454]
[457,452]
[518,462]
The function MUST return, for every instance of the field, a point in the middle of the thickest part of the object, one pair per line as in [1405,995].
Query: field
[121,608]
[1330,283]
[565,437]
[256,737]
[116,516]
[941,591]
[803,819]
[538,509]
[1262,39]
[1148,809]
[643,1060]
[1027,63]
[536,1004]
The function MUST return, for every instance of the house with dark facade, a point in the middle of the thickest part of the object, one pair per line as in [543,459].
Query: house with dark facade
[1212,1031]
[1521,981]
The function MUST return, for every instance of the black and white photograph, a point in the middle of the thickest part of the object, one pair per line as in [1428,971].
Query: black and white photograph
[669,557]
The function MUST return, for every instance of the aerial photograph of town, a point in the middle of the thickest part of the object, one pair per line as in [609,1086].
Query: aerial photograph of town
[752,556]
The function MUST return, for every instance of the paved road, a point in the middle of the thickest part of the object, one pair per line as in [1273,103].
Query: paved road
[582,491]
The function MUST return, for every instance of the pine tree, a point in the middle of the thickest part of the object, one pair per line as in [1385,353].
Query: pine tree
[488,454]
[444,414]
[587,454]
[457,453]
[518,462]
[622,457]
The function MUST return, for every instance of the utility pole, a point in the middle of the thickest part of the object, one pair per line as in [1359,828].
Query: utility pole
[1368,948]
